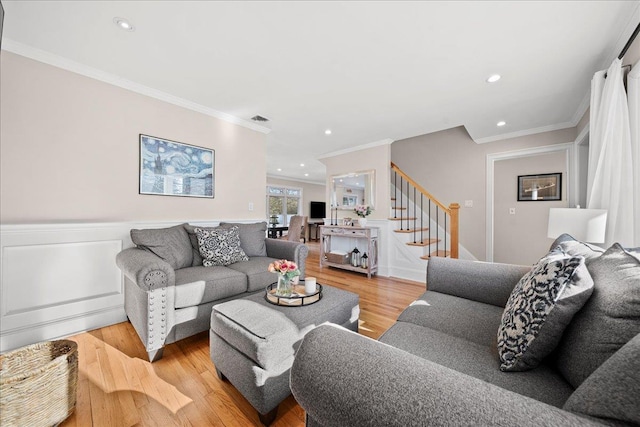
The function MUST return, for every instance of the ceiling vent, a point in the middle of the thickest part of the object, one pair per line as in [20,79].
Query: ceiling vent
[259,119]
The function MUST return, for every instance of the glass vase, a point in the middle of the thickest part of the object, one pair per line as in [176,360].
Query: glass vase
[285,286]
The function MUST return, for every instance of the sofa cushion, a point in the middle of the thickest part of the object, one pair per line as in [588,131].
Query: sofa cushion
[539,309]
[171,244]
[472,320]
[256,271]
[608,320]
[198,285]
[220,246]
[193,239]
[576,247]
[479,361]
[252,237]
[613,390]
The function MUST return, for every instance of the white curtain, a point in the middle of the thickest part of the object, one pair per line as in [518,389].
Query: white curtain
[633,92]
[611,182]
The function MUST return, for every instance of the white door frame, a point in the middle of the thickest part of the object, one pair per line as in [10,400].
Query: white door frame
[567,147]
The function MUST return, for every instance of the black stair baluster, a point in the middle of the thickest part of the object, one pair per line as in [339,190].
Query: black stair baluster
[415,206]
[401,200]
[421,218]
[445,234]
[437,229]
[395,194]
[429,226]
[408,199]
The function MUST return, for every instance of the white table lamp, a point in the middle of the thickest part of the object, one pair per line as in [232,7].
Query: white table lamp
[587,225]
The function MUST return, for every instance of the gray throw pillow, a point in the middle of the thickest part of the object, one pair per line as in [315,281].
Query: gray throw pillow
[575,247]
[220,246]
[540,307]
[562,238]
[171,244]
[252,237]
[613,390]
[608,320]
[195,247]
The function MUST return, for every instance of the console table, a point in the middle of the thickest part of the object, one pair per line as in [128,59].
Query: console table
[345,238]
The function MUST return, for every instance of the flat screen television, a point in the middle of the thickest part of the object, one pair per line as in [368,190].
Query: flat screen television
[318,210]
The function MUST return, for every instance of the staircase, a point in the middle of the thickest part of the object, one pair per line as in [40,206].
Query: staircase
[421,221]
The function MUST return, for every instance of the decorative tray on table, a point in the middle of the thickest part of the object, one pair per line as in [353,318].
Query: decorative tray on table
[298,297]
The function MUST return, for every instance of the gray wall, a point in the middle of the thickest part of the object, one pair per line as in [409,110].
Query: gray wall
[451,166]
[522,238]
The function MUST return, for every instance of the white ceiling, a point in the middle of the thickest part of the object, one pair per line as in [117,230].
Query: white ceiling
[369,71]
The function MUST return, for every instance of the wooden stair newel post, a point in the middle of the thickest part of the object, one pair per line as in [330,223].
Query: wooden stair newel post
[453,212]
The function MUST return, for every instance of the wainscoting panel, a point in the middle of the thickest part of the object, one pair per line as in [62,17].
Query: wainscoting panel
[59,279]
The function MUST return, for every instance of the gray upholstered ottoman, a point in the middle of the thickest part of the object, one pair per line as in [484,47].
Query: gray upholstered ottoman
[253,342]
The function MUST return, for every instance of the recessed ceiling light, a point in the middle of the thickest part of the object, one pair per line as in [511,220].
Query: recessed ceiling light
[306,174]
[279,169]
[301,165]
[494,78]
[501,123]
[327,132]
[123,24]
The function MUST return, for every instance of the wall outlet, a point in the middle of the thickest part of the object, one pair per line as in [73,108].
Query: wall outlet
[250,206]
[512,211]
[468,203]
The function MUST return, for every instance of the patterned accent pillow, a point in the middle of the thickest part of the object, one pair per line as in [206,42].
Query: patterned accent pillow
[220,246]
[539,309]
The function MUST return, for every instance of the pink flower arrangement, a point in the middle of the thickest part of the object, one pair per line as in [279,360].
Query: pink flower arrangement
[288,269]
[362,210]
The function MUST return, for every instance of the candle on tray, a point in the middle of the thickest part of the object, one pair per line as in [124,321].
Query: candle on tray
[309,285]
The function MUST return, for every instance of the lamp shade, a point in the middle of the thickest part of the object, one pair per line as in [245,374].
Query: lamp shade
[588,225]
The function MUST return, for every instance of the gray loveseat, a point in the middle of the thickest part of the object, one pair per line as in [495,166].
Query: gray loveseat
[169,293]
[438,365]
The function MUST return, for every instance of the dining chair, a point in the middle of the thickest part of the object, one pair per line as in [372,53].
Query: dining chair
[297,226]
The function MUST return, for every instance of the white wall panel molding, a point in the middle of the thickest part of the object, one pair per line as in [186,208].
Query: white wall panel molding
[57,280]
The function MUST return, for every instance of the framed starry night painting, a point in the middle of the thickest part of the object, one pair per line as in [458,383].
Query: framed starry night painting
[170,168]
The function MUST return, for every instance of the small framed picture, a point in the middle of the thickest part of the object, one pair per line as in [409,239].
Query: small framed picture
[171,168]
[538,188]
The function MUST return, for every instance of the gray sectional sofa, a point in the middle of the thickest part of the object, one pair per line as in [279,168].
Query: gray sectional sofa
[169,293]
[438,365]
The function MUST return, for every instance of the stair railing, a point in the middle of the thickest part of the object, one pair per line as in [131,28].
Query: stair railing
[435,209]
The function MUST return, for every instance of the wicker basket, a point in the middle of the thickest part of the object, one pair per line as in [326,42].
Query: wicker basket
[38,384]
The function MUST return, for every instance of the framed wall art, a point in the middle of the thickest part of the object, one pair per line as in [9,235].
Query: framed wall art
[170,168]
[542,187]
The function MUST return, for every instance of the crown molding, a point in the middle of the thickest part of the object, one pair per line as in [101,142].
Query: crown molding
[386,141]
[525,132]
[96,74]
[586,99]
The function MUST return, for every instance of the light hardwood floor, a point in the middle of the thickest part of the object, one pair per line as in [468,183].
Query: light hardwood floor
[118,387]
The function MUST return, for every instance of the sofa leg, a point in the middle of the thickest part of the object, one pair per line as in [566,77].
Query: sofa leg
[269,417]
[155,355]
[220,375]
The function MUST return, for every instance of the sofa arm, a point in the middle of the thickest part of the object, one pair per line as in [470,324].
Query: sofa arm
[145,269]
[342,378]
[292,251]
[486,282]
